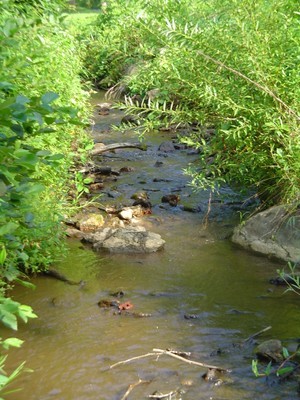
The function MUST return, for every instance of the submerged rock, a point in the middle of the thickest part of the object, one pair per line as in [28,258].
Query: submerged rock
[274,232]
[270,350]
[126,240]
[166,147]
[172,199]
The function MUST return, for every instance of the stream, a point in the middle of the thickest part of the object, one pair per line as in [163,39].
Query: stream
[204,294]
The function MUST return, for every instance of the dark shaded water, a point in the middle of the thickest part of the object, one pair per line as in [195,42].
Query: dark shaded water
[73,342]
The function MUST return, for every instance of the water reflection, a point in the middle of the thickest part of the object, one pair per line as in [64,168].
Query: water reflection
[72,344]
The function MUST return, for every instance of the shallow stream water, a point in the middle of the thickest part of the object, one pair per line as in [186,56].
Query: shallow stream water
[200,273]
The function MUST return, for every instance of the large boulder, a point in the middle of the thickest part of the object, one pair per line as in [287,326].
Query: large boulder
[126,240]
[274,232]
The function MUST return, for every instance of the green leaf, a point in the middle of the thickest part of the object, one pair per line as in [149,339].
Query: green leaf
[3,380]
[10,273]
[26,312]
[12,342]
[285,352]
[285,370]
[3,255]
[7,86]
[8,319]
[22,100]
[18,129]
[26,284]
[49,97]
[8,228]
[268,369]
[255,368]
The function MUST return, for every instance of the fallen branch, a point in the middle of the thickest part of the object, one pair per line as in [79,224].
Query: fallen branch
[171,354]
[159,352]
[132,359]
[257,334]
[132,386]
[115,146]
[163,396]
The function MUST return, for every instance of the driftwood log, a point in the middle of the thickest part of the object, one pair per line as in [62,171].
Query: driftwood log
[115,146]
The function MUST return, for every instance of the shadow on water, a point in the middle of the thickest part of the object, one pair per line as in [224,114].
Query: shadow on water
[199,274]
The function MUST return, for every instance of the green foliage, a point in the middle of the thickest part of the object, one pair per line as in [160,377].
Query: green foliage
[233,65]
[21,119]
[40,132]
[9,311]
[292,278]
[279,370]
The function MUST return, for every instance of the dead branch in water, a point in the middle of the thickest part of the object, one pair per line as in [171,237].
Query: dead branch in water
[257,334]
[115,146]
[163,396]
[174,355]
[132,359]
[132,386]
[159,352]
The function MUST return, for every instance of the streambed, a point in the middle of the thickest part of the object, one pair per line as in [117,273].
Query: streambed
[200,273]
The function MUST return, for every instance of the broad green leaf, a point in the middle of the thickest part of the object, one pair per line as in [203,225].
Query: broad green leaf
[18,129]
[6,86]
[12,342]
[8,228]
[22,100]
[285,370]
[26,312]
[3,380]
[9,319]
[49,97]
[10,273]
[43,153]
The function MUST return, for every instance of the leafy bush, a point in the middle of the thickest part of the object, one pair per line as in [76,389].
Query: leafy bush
[38,66]
[233,65]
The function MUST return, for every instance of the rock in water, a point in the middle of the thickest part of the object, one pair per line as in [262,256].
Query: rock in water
[126,240]
[273,232]
[270,350]
[91,222]
[166,147]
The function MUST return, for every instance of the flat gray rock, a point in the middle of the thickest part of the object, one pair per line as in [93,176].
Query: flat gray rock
[274,232]
[126,240]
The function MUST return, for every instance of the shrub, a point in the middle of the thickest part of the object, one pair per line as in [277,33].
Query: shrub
[40,131]
[233,65]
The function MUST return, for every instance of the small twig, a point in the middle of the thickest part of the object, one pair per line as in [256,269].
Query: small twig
[171,354]
[205,219]
[132,386]
[132,359]
[257,334]
[163,396]
[287,360]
